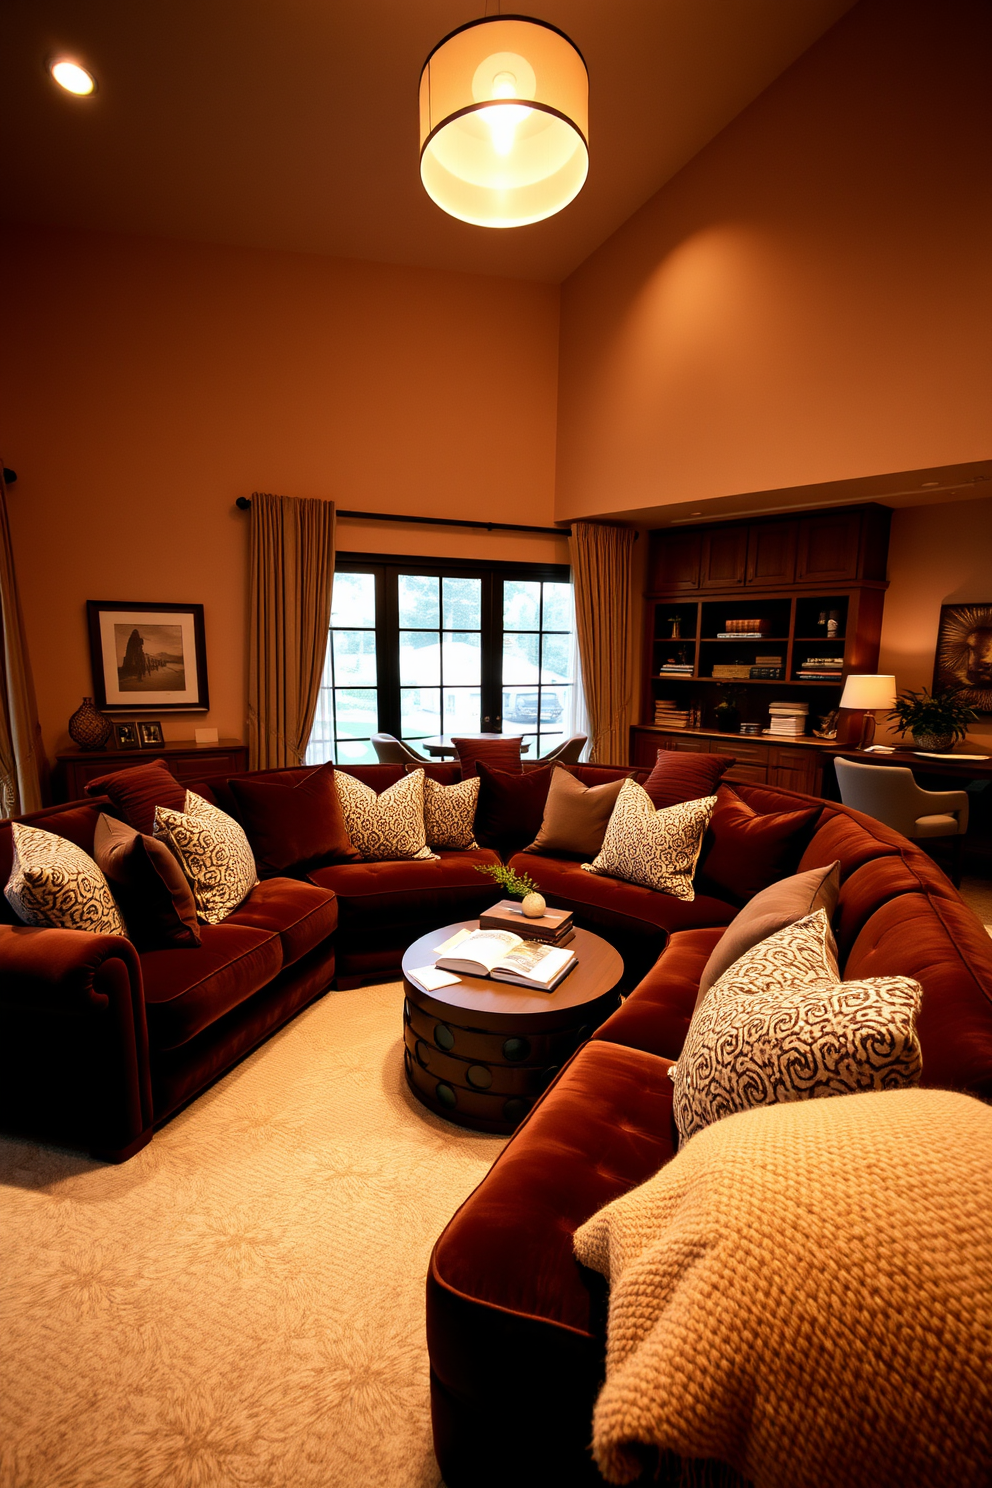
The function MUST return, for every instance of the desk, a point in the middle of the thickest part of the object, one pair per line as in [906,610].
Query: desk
[440,745]
[944,764]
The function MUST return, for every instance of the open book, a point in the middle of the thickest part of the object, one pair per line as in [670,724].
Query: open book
[507,958]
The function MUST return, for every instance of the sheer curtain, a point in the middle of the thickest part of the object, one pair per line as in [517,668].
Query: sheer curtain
[601,571]
[291,575]
[22,760]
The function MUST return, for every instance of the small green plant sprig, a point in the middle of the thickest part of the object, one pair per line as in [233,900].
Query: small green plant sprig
[924,712]
[517,884]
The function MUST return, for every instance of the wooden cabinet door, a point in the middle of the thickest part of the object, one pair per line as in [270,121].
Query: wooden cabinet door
[828,547]
[771,553]
[673,563]
[724,557]
[644,746]
[795,769]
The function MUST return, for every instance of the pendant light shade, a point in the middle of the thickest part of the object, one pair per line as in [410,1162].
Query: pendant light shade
[504,122]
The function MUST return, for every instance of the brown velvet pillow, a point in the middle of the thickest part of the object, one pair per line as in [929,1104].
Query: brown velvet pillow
[511,805]
[136,792]
[501,753]
[148,884]
[575,816]
[744,852]
[679,775]
[296,826]
[770,911]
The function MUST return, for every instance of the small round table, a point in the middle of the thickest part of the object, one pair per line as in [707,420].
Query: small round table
[480,1052]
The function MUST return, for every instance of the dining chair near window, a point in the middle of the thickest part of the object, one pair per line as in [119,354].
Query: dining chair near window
[566,753]
[392,751]
[891,795]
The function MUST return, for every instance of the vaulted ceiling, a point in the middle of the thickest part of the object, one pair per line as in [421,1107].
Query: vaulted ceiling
[293,123]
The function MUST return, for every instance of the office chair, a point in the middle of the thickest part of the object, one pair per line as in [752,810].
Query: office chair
[891,795]
[566,753]
[392,751]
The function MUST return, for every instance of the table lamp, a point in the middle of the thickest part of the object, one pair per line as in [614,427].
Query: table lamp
[868,693]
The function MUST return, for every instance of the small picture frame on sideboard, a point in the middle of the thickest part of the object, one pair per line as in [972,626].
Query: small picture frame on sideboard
[150,734]
[126,735]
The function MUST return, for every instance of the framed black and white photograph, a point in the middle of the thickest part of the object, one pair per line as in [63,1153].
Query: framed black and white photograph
[126,735]
[148,656]
[964,654]
[150,734]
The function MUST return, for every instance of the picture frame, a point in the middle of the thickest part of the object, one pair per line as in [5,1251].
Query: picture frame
[150,734]
[963,659]
[126,735]
[148,656]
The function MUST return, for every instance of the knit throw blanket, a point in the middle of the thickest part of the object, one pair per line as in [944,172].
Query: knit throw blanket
[805,1293]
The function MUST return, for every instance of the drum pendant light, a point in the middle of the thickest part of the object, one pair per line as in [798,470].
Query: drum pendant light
[504,122]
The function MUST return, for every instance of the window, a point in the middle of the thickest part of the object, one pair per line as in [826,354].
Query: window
[418,649]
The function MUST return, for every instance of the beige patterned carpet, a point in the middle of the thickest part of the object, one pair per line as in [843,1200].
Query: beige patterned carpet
[242,1304]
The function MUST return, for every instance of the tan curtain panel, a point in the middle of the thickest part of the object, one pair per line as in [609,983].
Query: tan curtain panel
[23,766]
[291,574]
[601,569]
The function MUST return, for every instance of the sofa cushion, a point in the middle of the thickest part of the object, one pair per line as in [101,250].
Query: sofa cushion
[501,753]
[744,851]
[575,816]
[293,826]
[449,813]
[76,822]
[656,1015]
[301,914]
[850,838]
[679,775]
[214,853]
[511,806]
[439,891]
[611,903]
[56,884]
[658,849]
[187,991]
[149,885]
[136,791]
[388,826]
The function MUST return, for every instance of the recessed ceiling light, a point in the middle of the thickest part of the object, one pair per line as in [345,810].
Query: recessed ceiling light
[72,77]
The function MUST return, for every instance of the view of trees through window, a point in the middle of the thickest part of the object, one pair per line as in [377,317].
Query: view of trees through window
[420,650]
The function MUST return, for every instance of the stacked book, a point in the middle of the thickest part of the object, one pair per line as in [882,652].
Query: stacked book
[768,667]
[555,927]
[788,720]
[821,669]
[731,671]
[505,956]
[667,715]
[676,669]
[743,630]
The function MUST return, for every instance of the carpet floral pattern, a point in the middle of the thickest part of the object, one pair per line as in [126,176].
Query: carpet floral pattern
[242,1304]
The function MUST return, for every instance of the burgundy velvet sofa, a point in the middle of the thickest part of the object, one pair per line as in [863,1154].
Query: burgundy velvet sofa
[516,1327]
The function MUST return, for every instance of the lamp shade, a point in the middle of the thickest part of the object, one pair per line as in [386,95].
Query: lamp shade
[866,691]
[504,122]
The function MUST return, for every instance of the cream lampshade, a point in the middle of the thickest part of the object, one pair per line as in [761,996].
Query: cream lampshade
[504,122]
[869,692]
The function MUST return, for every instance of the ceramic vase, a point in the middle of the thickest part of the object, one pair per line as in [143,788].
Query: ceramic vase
[88,727]
[533,906]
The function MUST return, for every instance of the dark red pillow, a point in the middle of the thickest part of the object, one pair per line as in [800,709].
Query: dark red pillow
[511,805]
[501,753]
[679,775]
[136,792]
[295,825]
[743,851]
[148,884]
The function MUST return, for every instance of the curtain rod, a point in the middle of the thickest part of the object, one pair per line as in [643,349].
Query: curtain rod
[244,504]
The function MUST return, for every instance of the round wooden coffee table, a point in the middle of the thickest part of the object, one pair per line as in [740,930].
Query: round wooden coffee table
[480,1052]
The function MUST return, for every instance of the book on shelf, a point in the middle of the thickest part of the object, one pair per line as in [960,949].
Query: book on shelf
[777,711]
[818,676]
[740,635]
[768,661]
[726,671]
[766,673]
[675,671]
[554,927]
[747,627]
[507,957]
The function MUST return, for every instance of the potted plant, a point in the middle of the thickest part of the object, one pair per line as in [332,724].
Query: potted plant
[728,713]
[934,719]
[520,885]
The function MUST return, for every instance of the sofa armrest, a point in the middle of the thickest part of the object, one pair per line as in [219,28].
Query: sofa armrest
[74,1053]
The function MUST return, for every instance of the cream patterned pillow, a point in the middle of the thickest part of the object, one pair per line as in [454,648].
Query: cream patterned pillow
[387,827]
[779,1026]
[449,812]
[658,849]
[54,883]
[214,854]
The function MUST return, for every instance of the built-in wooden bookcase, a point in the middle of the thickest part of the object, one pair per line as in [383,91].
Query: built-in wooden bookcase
[814,586]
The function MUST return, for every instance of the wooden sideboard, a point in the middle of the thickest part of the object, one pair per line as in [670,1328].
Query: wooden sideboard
[187,761]
[797,765]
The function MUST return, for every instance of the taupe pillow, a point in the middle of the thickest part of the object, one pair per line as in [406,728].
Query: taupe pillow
[779,1026]
[657,849]
[575,816]
[214,854]
[149,884]
[779,905]
[54,883]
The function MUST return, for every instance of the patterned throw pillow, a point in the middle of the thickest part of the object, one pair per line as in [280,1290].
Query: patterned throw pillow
[54,883]
[387,827]
[213,853]
[449,813]
[778,1026]
[658,849]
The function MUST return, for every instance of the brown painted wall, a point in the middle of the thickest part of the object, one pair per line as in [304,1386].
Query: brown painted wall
[937,555]
[145,385]
[806,300]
